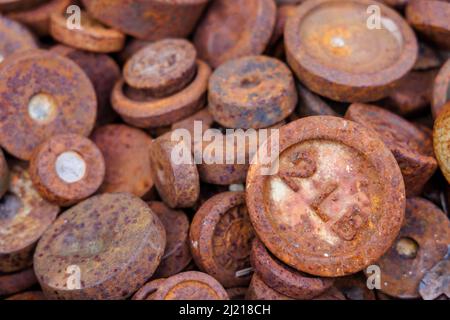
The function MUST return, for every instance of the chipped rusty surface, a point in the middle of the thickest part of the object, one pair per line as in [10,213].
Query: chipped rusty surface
[146,292]
[436,282]
[251,92]
[421,243]
[323,219]
[162,68]
[14,37]
[160,208]
[191,285]
[114,239]
[37,18]
[28,295]
[177,255]
[149,19]
[258,290]
[24,216]
[126,151]
[441,89]
[103,72]
[344,61]
[284,279]
[234,28]
[163,111]
[178,184]
[431,18]
[4,174]
[411,147]
[92,36]
[38,72]
[11,283]
[51,183]
[220,238]
[413,94]
[354,287]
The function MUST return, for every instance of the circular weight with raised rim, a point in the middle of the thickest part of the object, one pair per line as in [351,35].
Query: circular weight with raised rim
[162,68]
[334,53]
[191,285]
[91,35]
[220,237]
[333,201]
[158,112]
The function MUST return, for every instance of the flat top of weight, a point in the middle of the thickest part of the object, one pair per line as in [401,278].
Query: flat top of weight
[101,236]
[338,40]
[250,81]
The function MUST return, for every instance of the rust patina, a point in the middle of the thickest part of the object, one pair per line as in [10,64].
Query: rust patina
[336,203]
